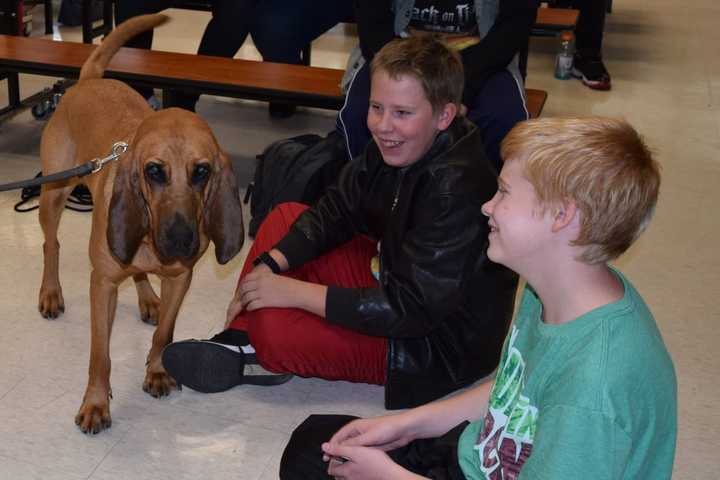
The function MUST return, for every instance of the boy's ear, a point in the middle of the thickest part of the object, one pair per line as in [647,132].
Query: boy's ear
[447,115]
[565,215]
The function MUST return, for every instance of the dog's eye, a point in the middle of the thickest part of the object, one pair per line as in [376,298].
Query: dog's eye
[200,173]
[155,173]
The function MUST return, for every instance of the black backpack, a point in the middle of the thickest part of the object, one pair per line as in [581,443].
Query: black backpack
[297,169]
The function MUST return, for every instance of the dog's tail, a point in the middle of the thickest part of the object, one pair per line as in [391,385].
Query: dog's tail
[97,62]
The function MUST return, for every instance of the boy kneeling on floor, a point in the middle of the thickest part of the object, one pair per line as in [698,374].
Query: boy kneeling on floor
[585,386]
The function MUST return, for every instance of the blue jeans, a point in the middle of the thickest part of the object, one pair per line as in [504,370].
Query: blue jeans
[498,106]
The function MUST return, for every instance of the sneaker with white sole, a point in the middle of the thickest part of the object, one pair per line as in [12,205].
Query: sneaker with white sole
[209,366]
[592,72]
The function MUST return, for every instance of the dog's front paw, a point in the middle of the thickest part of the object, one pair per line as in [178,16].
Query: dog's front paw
[159,384]
[93,417]
[51,303]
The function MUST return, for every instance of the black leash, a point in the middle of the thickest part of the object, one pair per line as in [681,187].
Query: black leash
[80,171]
[30,186]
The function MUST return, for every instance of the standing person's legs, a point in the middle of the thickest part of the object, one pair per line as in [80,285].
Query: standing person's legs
[434,458]
[499,105]
[228,28]
[224,35]
[282,28]
[132,8]
[296,341]
[590,27]
[588,64]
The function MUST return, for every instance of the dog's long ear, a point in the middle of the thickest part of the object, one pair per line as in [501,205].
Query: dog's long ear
[223,213]
[128,220]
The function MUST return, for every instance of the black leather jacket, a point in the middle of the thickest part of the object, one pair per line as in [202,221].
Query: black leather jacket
[443,306]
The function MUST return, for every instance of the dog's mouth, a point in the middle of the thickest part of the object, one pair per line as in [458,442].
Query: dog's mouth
[178,239]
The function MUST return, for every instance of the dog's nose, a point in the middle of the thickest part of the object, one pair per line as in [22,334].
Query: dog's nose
[180,238]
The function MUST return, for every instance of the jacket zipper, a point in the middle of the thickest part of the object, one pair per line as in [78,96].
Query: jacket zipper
[383,272]
[397,191]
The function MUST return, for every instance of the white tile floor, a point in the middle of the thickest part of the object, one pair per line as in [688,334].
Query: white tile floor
[665,62]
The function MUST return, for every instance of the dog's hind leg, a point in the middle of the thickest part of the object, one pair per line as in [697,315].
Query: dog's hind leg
[57,153]
[148,301]
[52,202]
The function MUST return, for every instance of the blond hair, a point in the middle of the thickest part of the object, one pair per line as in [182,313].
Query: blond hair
[602,164]
[438,68]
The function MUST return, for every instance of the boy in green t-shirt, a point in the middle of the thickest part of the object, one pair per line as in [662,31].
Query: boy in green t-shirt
[585,387]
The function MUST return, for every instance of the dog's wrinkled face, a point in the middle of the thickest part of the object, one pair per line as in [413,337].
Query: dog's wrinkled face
[184,188]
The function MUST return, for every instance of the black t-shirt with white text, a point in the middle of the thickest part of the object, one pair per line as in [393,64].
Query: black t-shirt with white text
[444,16]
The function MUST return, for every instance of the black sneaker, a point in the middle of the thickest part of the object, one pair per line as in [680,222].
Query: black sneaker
[592,72]
[205,366]
[210,367]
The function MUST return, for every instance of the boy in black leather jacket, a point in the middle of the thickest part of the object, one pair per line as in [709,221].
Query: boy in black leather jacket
[385,279]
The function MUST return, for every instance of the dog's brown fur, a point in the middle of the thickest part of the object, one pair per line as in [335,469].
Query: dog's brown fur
[143,221]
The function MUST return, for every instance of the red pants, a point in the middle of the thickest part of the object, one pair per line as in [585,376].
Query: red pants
[296,341]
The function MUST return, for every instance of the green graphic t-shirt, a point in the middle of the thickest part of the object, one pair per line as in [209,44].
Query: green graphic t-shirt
[594,398]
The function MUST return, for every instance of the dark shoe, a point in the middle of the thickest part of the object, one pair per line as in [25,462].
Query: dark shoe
[204,366]
[281,110]
[592,72]
[211,367]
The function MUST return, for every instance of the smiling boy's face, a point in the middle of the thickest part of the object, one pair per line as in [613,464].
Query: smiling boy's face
[401,119]
[520,230]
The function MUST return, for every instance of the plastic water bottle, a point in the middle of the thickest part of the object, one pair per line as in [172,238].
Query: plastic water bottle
[564,60]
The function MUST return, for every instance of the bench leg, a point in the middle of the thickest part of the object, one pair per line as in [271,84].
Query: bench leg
[13,86]
[13,89]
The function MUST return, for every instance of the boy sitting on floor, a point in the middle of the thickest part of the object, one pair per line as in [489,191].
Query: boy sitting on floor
[385,279]
[585,387]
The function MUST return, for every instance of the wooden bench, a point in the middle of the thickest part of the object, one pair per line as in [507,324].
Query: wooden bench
[551,21]
[299,84]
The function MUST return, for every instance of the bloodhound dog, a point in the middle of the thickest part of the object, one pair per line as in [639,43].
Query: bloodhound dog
[156,210]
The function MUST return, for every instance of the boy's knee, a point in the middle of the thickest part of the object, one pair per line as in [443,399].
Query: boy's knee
[278,222]
[286,213]
[302,458]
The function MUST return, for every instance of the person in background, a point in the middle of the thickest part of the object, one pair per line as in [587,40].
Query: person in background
[488,34]
[588,64]
[585,387]
[280,30]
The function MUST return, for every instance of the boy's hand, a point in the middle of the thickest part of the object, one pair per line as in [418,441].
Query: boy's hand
[236,305]
[361,463]
[261,288]
[385,433]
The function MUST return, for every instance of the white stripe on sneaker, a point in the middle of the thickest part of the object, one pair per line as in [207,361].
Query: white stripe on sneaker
[234,348]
